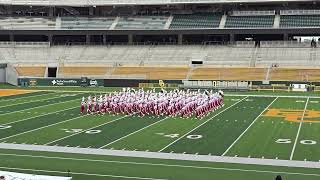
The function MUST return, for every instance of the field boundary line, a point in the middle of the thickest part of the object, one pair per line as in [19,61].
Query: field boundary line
[4,100]
[280,96]
[133,132]
[65,137]
[214,159]
[248,128]
[43,126]
[37,107]
[300,125]
[81,173]
[30,101]
[42,114]
[200,125]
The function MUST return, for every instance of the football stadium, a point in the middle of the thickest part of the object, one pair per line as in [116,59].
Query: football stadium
[159,89]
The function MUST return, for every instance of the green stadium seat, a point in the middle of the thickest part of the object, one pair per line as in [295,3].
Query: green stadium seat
[196,21]
[299,21]
[249,22]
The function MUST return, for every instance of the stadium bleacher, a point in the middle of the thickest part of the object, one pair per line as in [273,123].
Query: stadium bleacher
[142,22]
[86,22]
[177,21]
[249,22]
[196,21]
[27,23]
[291,21]
[31,70]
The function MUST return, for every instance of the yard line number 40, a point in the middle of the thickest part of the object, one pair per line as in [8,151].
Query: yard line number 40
[178,135]
[289,141]
[92,131]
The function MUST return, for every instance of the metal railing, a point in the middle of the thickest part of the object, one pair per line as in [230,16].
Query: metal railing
[123,2]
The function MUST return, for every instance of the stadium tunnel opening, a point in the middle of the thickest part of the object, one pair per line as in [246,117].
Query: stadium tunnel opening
[52,72]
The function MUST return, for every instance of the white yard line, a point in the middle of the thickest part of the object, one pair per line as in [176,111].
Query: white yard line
[201,125]
[133,133]
[44,126]
[4,100]
[300,125]
[171,165]
[31,101]
[81,173]
[248,128]
[40,114]
[87,130]
[37,107]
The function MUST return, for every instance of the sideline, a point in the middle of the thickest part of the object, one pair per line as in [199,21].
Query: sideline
[159,155]
[80,173]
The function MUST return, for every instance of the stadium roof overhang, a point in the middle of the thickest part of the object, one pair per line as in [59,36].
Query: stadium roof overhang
[83,3]
[296,31]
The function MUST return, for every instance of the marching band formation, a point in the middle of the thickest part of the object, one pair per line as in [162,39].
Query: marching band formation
[174,103]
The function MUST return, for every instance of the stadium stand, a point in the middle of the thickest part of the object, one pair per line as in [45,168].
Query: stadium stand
[164,55]
[86,22]
[289,21]
[79,70]
[152,72]
[34,70]
[295,74]
[249,22]
[209,73]
[142,22]
[198,21]
[27,23]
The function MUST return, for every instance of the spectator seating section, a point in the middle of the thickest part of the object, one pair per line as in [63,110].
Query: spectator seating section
[31,70]
[27,23]
[153,72]
[295,74]
[196,21]
[249,22]
[79,70]
[142,22]
[216,73]
[174,72]
[183,21]
[287,21]
[86,23]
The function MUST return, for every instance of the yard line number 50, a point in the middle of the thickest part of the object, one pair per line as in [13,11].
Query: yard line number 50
[289,141]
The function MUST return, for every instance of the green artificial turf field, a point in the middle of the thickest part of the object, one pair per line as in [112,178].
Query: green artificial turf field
[250,126]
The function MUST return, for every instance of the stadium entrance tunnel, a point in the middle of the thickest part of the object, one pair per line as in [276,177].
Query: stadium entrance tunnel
[52,72]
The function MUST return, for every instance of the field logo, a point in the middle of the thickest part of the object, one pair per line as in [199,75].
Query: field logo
[161,83]
[310,116]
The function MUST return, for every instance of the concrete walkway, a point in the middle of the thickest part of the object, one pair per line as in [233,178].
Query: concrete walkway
[157,155]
